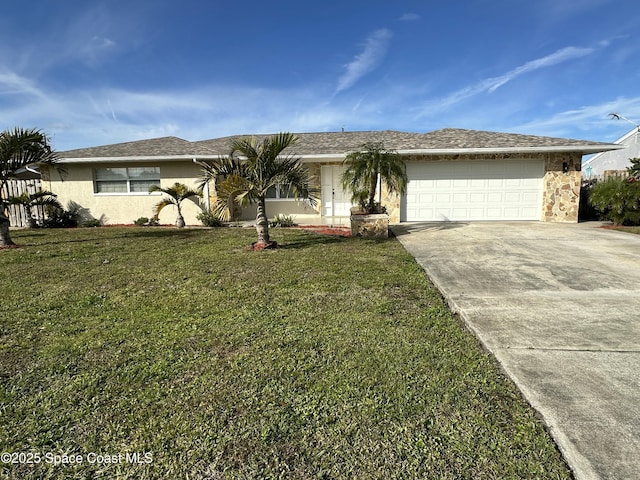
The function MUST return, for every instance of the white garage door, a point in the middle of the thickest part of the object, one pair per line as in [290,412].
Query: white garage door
[508,189]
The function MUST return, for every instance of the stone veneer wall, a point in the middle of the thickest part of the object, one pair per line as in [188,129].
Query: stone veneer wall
[561,191]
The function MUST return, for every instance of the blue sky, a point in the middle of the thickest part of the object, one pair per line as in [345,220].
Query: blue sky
[94,72]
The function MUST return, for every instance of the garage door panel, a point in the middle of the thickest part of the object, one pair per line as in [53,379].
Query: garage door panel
[494,197]
[471,190]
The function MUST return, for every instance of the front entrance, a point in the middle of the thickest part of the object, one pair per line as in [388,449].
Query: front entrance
[335,201]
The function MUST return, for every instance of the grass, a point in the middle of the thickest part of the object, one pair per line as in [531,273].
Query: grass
[330,358]
[635,230]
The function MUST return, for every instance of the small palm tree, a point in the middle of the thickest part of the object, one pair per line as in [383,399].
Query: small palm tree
[618,199]
[19,148]
[366,167]
[30,200]
[175,195]
[250,170]
[634,169]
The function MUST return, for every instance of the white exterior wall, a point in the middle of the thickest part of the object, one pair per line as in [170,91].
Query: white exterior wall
[615,159]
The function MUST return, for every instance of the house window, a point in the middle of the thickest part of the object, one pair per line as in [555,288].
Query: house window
[126,180]
[280,192]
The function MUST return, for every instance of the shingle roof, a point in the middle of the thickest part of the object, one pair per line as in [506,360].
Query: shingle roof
[456,138]
[327,142]
[447,140]
[156,147]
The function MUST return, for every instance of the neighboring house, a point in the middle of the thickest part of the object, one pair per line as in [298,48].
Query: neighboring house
[615,160]
[454,175]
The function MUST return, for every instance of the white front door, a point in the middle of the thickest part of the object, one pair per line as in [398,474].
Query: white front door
[335,201]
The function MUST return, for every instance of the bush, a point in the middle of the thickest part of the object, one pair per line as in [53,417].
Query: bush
[61,218]
[210,219]
[618,200]
[281,220]
[146,222]
[94,222]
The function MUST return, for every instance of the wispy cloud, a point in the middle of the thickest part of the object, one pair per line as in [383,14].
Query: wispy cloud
[410,17]
[490,85]
[555,58]
[14,84]
[374,51]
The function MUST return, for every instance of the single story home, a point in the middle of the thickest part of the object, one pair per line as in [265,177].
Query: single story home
[599,165]
[454,175]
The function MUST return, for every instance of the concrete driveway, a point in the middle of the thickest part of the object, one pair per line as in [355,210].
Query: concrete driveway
[559,307]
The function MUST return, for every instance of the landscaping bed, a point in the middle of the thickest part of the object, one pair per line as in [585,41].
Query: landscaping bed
[326,230]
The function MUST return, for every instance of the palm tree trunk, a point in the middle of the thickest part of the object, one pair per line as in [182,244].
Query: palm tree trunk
[262,223]
[5,237]
[31,222]
[372,192]
[180,220]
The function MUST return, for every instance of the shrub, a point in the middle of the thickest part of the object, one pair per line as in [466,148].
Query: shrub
[94,222]
[210,219]
[62,218]
[618,200]
[281,220]
[146,222]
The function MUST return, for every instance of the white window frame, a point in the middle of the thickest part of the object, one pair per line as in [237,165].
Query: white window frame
[129,179]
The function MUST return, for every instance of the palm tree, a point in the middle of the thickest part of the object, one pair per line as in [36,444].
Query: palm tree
[366,166]
[250,170]
[19,148]
[29,200]
[176,194]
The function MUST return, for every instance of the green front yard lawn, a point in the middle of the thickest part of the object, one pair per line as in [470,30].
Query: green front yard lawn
[328,358]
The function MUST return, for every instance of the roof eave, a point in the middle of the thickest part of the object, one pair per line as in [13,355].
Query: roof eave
[157,158]
[584,149]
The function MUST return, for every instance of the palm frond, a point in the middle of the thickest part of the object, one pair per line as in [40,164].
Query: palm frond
[232,192]
[178,191]
[364,167]
[165,202]
[41,197]
[21,147]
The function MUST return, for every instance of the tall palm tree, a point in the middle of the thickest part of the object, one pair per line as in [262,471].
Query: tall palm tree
[366,166]
[19,148]
[250,170]
[175,195]
[30,200]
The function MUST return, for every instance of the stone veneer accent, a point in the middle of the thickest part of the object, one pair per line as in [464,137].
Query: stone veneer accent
[370,226]
[561,190]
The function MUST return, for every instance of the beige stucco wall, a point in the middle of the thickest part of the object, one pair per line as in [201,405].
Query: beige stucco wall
[77,186]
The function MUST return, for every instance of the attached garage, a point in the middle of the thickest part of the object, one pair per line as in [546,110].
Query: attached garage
[496,189]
